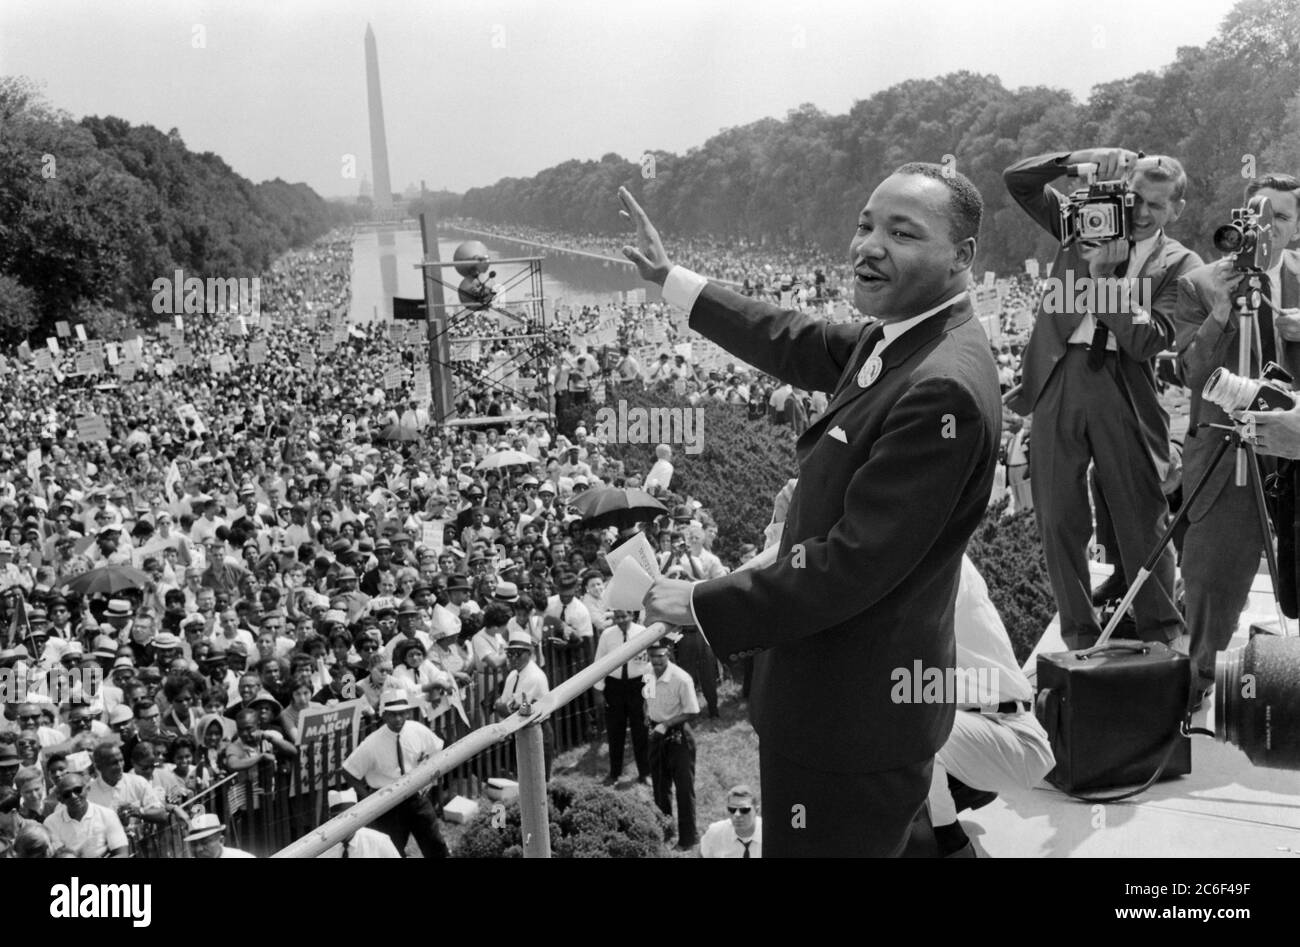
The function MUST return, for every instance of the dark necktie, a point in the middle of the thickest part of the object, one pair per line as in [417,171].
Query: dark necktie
[345,849]
[746,844]
[1100,335]
[1267,343]
[695,572]
[624,630]
[401,765]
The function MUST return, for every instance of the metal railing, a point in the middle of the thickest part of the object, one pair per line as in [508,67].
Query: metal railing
[524,726]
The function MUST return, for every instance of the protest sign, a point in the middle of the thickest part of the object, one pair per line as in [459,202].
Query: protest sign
[326,736]
[91,427]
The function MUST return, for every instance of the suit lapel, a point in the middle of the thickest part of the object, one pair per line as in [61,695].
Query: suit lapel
[898,352]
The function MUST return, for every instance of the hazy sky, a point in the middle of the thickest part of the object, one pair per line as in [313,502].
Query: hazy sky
[478,91]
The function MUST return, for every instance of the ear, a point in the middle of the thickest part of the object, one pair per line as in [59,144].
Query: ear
[963,255]
[1177,211]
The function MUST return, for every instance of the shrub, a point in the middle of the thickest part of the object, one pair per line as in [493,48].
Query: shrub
[737,475]
[586,821]
[1009,554]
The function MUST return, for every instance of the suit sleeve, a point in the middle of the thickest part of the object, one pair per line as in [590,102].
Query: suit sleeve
[1203,344]
[1029,183]
[897,506]
[806,352]
[1142,340]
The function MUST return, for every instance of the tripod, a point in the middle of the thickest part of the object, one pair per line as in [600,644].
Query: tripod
[1246,301]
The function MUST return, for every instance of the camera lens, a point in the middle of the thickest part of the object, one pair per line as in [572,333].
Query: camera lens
[1257,700]
[1227,239]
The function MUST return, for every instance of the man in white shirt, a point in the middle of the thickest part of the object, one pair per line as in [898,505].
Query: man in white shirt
[207,838]
[571,612]
[661,474]
[90,830]
[670,704]
[526,682]
[365,842]
[740,835]
[128,795]
[387,755]
[620,694]
[996,744]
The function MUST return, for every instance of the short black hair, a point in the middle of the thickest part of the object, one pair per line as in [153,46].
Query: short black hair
[1274,182]
[965,206]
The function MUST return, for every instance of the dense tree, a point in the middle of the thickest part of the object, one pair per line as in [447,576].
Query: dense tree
[801,180]
[93,211]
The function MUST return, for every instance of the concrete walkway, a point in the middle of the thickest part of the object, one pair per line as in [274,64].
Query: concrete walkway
[1225,808]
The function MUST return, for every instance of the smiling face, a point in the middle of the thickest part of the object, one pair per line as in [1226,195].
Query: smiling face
[1286,220]
[903,252]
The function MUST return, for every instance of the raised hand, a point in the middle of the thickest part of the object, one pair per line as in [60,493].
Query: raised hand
[649,255]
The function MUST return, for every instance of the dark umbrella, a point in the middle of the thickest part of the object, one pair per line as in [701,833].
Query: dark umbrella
[107,580]
[616,506]
[396,432]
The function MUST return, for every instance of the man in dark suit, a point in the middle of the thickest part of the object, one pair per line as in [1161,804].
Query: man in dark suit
[1223,543]
[893,478]
[1089,381]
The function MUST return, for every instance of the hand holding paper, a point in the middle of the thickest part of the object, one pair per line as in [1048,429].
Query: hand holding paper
[627,587]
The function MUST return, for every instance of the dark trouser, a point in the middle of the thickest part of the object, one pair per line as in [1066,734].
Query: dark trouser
[1081,416]
[625,708]
[414,816]
[1220,559]
[813,814]
[672,766]
[696,658]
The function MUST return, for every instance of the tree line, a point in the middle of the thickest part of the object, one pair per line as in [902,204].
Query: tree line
[93,211]
[1223,109]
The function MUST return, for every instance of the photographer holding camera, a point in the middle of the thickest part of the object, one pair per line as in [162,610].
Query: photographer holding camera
[1223,543]
[1089,378]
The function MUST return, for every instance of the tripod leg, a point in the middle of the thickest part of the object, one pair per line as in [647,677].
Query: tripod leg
[1153,559]
[1266,531]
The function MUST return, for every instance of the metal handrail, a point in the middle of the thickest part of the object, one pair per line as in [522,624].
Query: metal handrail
[431,770]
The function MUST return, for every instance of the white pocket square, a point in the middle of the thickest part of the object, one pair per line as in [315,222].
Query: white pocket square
[837,432]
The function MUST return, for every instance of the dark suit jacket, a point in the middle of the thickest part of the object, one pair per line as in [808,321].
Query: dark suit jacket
[881,518]
[1203,347]
[1029,182]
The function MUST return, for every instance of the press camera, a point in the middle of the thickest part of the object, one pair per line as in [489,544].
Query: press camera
[1103,210]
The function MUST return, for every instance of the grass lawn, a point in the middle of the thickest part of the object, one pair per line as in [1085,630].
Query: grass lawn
[726,753]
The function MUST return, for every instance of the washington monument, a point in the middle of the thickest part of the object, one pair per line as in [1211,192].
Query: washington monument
[378,143]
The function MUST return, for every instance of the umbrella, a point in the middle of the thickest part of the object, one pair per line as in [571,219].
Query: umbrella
[396,432]
[616,506]
[506,458]
[106,580]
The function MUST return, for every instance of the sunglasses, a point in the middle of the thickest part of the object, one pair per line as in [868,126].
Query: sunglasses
[744,810]
[71,793]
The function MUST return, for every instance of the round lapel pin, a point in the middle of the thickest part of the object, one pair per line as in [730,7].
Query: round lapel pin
[869,372]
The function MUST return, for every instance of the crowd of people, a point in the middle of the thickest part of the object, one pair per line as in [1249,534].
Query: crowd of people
[308,535]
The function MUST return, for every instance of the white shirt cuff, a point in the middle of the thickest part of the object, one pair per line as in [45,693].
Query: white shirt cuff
[683,287]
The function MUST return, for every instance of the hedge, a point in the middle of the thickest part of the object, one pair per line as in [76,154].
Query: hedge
[586,821]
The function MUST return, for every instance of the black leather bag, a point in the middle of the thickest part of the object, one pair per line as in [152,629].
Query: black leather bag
[1114,715]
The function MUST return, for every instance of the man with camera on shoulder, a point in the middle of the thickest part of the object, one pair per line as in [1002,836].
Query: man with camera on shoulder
[1088,371]
[1223,544]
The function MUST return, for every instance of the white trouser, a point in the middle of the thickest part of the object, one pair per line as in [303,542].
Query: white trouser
[989,752]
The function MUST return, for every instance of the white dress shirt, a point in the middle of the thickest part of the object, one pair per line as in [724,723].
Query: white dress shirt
[1083,332]
[610,640]
[720,841]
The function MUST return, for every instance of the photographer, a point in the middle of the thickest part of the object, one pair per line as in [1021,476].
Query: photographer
[1223,544]
[1089,381]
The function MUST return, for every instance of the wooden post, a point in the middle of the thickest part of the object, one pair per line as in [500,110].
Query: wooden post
[533,808]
